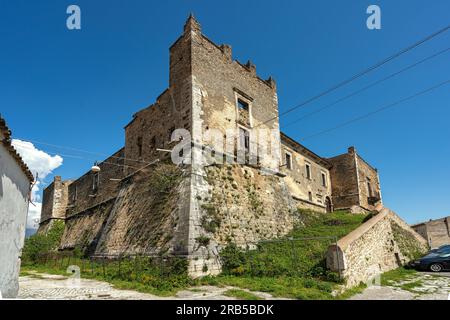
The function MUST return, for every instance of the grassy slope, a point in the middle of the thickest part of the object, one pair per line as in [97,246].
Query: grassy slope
[294,270]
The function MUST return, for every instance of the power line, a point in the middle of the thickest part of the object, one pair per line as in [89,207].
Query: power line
[393,104]
[367,87]
[81,158]
[360,74]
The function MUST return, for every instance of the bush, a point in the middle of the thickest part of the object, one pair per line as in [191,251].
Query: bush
[233,259]
[39,244]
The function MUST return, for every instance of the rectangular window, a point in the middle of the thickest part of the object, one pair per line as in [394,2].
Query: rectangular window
[244,139]
[242,105]
[310,196]
[369,187]
[75,194]
[308,171]
[324,179]
[288,159]
[95,181]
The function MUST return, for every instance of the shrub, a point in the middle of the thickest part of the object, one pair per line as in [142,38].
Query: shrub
[40,243]
[203,240]
[233,259]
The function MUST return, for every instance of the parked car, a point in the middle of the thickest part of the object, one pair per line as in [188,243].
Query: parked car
[436,262]
[442,249]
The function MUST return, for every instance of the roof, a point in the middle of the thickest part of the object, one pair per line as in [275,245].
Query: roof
[431,220]
[6,141]
[304,150]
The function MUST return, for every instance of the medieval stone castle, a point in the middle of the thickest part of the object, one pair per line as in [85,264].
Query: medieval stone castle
[131,207]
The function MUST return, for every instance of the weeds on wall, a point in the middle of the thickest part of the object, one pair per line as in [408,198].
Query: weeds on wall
[211,221]
[406,242]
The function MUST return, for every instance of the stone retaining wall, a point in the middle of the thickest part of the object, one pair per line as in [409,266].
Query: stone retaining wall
[382,243]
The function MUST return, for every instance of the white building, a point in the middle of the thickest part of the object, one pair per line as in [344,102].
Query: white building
[15,184]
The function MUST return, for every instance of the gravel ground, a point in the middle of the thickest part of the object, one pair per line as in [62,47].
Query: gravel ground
[433,286]
[53,287]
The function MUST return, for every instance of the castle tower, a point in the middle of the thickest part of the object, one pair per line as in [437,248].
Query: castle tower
[55,201]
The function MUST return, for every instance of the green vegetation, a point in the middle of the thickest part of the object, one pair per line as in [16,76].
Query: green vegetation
[406,242]
[301,253]
[284,268]
[402,278]
[397,275]
[203,240]
[41,243]
[410,286]
[288,267]
[283,286]
[211,220]
[162,276]
[241,294]
[351,292]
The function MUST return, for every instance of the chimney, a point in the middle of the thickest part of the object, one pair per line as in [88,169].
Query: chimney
[192,25]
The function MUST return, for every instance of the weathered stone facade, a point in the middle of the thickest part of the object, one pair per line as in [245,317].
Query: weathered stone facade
[55,201]
[307,176]
[210,95]
[355,184]
[383,243]
[436,232]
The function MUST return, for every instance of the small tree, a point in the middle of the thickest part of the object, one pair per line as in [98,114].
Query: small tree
[42,243]
[233,259]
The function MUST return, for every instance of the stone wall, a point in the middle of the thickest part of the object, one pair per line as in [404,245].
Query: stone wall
[350,176]
[83,230]
[313,192]
[151,129]
[92,189]
[218,82]
[55,201]
[436,232]
[149,215]
[367,175]
[344,181]
[382,243]
[235,203]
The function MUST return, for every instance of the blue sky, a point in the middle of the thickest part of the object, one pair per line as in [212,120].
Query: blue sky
[79,88]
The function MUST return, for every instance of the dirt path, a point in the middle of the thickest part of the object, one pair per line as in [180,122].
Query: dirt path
[53,287]
[420,286]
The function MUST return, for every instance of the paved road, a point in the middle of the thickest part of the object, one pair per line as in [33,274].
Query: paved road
[433,286]
[52,287]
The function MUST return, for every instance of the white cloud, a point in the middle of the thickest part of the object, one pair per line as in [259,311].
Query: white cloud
[37,160]
[34,215]
[41,163]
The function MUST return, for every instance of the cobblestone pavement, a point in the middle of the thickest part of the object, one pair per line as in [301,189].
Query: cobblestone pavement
[421,286]
[52,287]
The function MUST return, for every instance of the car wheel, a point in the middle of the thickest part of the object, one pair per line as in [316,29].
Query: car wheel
[436,267]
